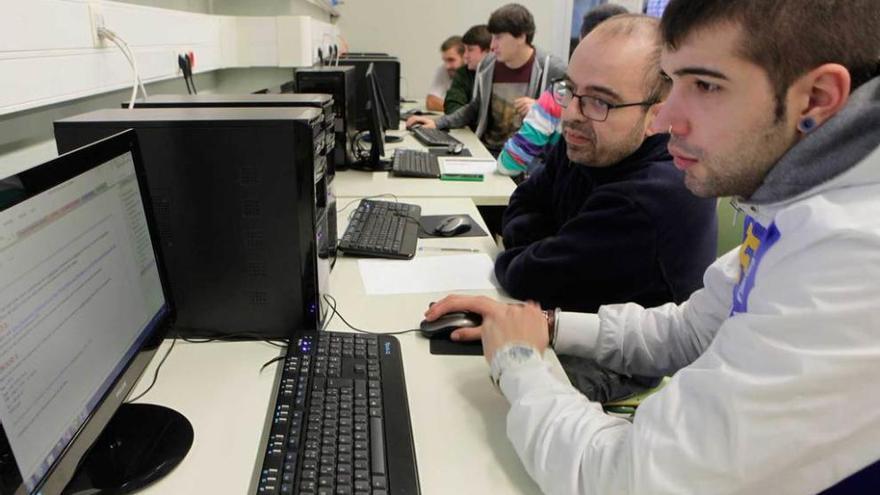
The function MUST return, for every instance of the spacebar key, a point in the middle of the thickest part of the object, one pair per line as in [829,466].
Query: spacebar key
[377,446]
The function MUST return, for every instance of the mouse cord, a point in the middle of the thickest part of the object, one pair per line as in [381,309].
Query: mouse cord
[331,301]
[418,222]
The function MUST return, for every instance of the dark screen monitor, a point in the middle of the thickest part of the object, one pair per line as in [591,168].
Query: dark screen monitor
[83,307]
[387,74]
[376,127]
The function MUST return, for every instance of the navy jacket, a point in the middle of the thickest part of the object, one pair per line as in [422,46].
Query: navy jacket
[577,237]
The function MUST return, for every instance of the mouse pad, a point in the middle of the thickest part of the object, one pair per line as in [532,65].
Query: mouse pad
[430,222]
[445,347]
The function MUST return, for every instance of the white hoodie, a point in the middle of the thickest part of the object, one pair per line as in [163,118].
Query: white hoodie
[776,390]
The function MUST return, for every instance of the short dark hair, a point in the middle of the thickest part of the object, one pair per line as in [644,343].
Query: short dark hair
[453,42]
[788,38]
[478,35]
[596,15]
[515,19]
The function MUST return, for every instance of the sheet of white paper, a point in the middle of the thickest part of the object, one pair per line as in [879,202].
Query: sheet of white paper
[482,166]
[427,274]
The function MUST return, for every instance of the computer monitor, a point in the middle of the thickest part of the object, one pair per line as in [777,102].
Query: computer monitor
[387,74]
[83,308]
[376,128]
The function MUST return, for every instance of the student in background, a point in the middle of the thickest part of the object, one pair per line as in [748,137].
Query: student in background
[452,53]
[476,46]
[540,130]
[507,81]
[774,363]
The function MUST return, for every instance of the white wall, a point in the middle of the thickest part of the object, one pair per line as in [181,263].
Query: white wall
[38,35]
[201,6]
[267,8]
[414,29]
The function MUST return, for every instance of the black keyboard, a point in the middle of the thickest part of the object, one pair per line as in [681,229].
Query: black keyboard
[383,229]
[433,137]
[341,420]
[413,163]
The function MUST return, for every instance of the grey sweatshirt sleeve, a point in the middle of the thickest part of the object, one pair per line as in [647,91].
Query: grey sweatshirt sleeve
[461,117]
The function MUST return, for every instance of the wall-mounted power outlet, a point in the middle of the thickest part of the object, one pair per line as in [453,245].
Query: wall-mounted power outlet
[96,16]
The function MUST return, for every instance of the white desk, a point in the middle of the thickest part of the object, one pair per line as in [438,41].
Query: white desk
[458,417]
[495,189]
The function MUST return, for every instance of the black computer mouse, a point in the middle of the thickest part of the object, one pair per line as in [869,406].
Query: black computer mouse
[452,226]
[442,327]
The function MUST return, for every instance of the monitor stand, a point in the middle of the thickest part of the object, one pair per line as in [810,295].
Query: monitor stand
[140,444]
[371,166]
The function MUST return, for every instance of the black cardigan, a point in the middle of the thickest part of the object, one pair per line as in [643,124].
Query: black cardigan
[577,237]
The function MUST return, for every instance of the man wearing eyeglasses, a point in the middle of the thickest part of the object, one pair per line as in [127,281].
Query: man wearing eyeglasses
[773,364]
[608,219]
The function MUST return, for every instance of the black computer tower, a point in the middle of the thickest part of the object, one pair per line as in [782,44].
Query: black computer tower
[323,102]
[339,82]
[387,70]
[235,192]
[270,99]
[365,54]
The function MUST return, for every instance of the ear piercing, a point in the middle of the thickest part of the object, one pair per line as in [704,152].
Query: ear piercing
[806,124]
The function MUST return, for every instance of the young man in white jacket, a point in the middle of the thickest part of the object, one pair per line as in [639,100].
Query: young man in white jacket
[775,364]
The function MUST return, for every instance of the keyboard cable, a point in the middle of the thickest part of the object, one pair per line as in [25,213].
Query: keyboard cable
[273,342]
[331,301]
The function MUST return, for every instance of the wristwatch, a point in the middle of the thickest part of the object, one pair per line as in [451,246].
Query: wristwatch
[552,324]
[509,355]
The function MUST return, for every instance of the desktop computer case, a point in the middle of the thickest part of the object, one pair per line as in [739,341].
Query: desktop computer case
[339,82]
[323,102]
[237,195]
[293,100]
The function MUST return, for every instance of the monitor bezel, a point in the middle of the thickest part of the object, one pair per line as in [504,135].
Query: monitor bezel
[377,129]
[38,180]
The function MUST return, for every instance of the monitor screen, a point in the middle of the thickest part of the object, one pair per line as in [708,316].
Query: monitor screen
[80,293]
[376,129]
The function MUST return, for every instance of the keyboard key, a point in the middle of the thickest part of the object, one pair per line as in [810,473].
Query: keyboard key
[377,446]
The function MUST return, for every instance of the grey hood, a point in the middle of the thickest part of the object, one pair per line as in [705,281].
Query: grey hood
[821,159]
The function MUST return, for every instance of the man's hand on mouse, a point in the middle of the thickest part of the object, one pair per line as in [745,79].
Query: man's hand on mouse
[502,323]
[522,105]
[423,121]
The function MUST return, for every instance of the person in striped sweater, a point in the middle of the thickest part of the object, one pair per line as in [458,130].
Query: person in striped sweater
[541,127]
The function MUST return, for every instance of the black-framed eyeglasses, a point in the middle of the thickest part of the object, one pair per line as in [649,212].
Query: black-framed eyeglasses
[590,107]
